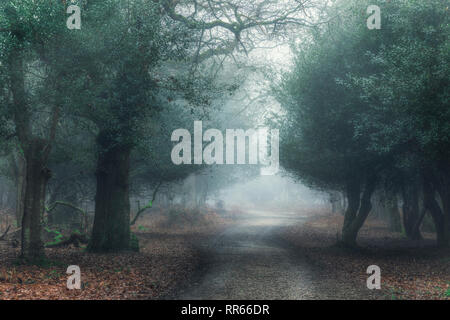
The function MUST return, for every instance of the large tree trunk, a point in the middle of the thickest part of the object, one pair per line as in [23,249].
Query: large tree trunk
[358,209]
[111,230]
[37,175]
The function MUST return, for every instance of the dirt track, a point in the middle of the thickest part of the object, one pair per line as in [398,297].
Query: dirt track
[249,261]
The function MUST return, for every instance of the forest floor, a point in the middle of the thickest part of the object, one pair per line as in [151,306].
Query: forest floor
[409,269]
[167,258]
[247,254]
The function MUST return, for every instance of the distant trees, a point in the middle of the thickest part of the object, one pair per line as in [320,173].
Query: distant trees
[370,107]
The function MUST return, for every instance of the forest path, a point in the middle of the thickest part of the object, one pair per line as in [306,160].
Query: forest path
[248,261]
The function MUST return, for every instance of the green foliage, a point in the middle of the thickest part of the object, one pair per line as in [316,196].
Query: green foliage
[57,236]
[134,242]
[319,138]
[407,93]
[142,228]
[360,100]
[113,63]
[447,293]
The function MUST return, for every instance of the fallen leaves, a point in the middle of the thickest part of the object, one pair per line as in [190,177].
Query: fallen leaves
[167,258]
[409,269]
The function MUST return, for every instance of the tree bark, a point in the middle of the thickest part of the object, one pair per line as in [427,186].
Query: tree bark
[441,186]
[358,209]
[353,190]
[36,151]
[111,230]
[444,193]
[436,213]
[37,175]
[21,184]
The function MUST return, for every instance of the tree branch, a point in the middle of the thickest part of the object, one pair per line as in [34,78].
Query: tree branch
[148,206]
[50,208]
[5,233]
[237,24]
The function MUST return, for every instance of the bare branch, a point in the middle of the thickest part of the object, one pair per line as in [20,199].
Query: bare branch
[5,233]
[150,204]
[266,17]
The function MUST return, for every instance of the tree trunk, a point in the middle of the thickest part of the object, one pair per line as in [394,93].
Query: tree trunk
[411,210]
[37,175]
[336,202]
[2,194]
[353,190]
[441,183]
[357,211]
[36,151]
[111,230]
[395,220]
[436,213]
[20,166]
[444,192]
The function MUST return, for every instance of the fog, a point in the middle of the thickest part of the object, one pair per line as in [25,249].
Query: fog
[272,193]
